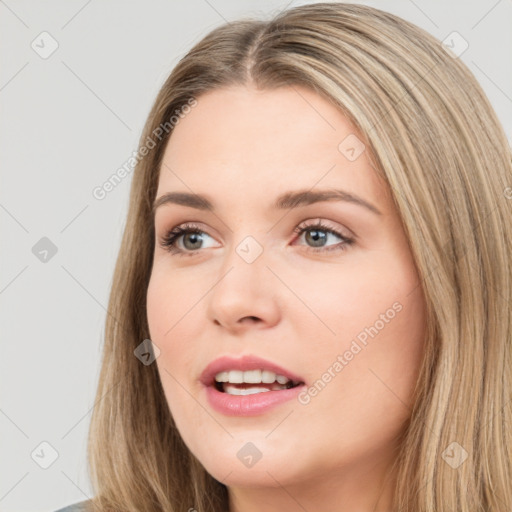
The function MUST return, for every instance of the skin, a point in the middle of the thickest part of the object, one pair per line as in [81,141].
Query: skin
[296,307]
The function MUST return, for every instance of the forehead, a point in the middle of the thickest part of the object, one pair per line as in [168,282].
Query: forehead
[244,140]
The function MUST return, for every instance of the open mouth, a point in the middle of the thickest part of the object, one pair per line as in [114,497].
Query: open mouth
[229,381]
[248,375]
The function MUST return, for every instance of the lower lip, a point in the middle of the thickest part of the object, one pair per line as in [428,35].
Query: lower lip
[249,405]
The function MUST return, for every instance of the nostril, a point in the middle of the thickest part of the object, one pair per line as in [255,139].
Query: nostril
[253,318]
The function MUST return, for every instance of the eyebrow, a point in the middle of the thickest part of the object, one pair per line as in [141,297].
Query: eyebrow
[286,201]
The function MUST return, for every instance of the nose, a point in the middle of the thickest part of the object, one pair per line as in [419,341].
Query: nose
[244,295]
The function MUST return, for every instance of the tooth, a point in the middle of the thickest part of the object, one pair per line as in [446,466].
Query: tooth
[278,387]
[252,376]
[281,379]
[222,377]
[268,377]
[233,390]
[236,376]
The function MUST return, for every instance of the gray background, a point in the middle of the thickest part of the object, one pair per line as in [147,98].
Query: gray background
[68,122]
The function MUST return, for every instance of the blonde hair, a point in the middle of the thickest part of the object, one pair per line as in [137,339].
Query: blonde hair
[436,140]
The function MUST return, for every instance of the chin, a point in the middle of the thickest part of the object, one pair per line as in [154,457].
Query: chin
[231,464]
[261,475]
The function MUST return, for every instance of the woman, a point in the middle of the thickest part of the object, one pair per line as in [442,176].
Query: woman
[311,304]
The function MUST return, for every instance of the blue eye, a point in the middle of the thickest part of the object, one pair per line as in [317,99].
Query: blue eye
[168,242]
[316,231]
[190,233]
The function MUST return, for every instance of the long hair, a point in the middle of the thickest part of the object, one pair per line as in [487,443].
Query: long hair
[435,139]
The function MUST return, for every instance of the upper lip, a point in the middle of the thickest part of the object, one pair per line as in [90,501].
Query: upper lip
[244,363]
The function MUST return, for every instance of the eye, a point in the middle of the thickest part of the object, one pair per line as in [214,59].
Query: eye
[192,238]
[318,233]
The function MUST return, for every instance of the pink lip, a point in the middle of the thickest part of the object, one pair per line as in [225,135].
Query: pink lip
[247,362]
[246,405]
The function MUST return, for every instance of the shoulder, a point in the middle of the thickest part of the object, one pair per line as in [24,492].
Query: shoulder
[80,506]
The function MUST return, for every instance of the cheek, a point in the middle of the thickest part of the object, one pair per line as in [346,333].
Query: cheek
[176,309]
[154,308]
[169,301]
[171,306]
[349,298]
[372,339]
[364,377]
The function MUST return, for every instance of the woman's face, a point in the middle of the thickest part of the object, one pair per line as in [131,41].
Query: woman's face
[346,319]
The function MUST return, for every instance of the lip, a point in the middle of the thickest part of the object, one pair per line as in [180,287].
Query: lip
[246,405]
[249,405]
[244,363]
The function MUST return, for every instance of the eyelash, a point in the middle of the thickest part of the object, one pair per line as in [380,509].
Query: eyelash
[168,241]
